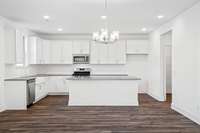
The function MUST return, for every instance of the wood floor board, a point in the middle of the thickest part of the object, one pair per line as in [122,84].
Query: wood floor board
[52,115]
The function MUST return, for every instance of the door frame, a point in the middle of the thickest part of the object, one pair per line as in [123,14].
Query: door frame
[163,63]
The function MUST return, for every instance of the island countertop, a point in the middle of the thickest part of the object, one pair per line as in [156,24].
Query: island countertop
[103,78]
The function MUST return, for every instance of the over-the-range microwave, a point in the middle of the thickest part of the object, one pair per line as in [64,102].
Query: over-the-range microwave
[80,59]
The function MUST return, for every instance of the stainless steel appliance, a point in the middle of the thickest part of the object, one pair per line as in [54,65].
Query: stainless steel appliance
[30,91]
[81,59]
[82,72]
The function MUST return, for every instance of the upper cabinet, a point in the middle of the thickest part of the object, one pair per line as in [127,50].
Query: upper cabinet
[81,47]
[114,53]
[10,44]
[20,47]
[137,47]
[15,45]
[49,52]
[39,51]
[61,52]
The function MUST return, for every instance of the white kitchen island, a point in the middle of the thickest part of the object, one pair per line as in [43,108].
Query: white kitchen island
[103,91]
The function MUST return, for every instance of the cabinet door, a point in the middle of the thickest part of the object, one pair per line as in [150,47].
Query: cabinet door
[39,51]
[99,53]
[76,47]
[38,90]
[20,52]
[46,52]
[103,53]
[94,58]
[81,47]
[10,48]
[56,52]
[66,52]
[85,47]
[32,50]
[112,53]
[120,52]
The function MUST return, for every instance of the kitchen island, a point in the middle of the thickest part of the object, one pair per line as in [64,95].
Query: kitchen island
[103,91]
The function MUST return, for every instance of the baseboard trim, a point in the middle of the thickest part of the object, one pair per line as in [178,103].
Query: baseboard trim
[156,97]
[58,93]
[185,113]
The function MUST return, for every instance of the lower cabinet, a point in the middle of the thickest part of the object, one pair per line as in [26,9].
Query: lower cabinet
[53,85]
[57,85]
[41,89]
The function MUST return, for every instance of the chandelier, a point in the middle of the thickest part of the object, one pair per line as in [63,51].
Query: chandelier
[103,35]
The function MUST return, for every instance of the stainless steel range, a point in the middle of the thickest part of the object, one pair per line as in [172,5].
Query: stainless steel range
[81,71]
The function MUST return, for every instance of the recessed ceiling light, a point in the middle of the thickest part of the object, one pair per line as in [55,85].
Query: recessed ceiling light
[144,29]
[103,17]
[60,29]
[160,16]
[46,17]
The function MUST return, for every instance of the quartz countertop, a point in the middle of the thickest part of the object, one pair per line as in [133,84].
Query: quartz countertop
[20,79]
[70,77]
[24,78]
[103,78]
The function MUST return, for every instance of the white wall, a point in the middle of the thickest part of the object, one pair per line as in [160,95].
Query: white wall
[137,65]
[1,66]
[185,63]
[12,71]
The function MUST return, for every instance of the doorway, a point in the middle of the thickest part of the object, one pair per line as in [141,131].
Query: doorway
[166,45]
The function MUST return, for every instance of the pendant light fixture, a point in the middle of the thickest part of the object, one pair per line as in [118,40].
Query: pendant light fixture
[103,35]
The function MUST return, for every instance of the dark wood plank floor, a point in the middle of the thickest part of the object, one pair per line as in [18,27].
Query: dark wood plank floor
[52,115]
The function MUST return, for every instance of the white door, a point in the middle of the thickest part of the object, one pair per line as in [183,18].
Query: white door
[168,68]
[166,44]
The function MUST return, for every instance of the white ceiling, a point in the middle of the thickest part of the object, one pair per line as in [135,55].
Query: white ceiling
[83,16]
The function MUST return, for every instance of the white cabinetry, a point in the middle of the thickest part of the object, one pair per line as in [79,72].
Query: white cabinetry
[20,51]
[108,53]
[10,41]
[39,51]
[34,50]
[137,46]
[41,89]
[57,85]
[81,47]
[61,52]
[46,50]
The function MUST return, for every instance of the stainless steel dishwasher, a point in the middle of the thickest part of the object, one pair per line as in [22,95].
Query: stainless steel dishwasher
[30,91]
